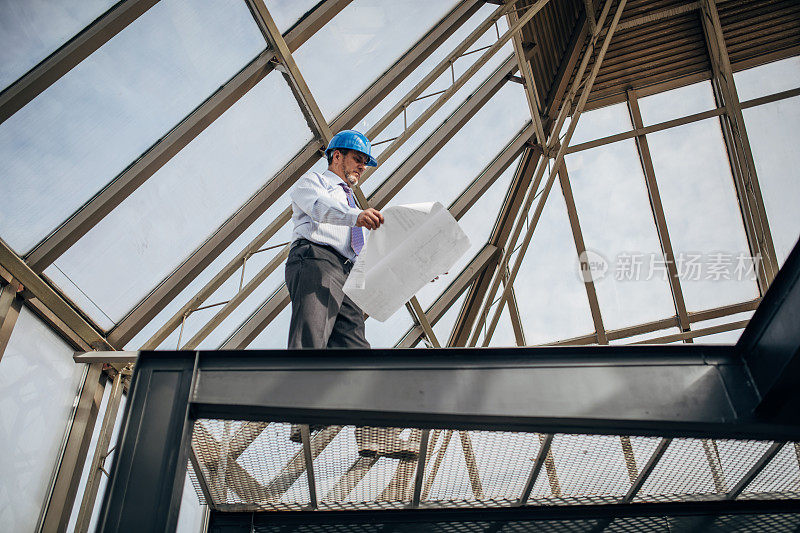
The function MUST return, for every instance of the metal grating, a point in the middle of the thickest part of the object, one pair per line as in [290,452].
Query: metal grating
[478,467]
[697,469]
[250,465]
[780,476]
[256,466]
[591,468]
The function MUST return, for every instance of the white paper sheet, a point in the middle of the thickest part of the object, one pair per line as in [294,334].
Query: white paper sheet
[415,244]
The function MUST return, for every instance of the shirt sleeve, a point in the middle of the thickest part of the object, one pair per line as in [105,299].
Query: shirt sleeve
[314,199]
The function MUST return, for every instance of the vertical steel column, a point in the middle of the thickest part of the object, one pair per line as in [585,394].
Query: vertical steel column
[658,213]
[144,492]
[740,156]
[65,486]
[100,454]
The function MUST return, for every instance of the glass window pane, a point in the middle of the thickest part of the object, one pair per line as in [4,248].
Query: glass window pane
[617,223]
[600,123]
[772,130]
[254,264]
[677,103]
[31,31]
[705,224]
[65,145]
[38,384]
[550,293]
[359,44]
[768,79]
[286,12]
[122,258]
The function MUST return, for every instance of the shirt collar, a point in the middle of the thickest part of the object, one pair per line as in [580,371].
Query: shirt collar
[333,179]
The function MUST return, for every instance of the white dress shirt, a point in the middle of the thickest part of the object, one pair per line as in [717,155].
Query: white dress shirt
[320,212]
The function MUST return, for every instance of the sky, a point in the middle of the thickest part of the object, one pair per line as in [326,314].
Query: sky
[68,143]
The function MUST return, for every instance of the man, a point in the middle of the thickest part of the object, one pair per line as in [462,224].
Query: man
[327,238]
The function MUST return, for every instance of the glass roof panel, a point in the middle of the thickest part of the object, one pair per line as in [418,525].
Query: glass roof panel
[275,335]
[286,12]
[122,258]
[600,123]
[676,103]
[725,337]
[772,130]
[703,217]
[550,292]
[65,145]
[368,36]
[614,211]
[768,79]
[444,326]
[254,264]
[31,31]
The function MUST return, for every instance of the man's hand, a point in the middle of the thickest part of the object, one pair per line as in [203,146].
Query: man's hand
[369,218]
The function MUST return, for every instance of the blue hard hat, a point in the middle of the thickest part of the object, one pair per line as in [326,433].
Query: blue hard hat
[352,140]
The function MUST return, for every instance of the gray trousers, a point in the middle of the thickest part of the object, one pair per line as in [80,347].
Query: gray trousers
[322,316]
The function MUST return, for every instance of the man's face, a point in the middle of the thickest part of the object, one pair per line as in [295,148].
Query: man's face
[353,166]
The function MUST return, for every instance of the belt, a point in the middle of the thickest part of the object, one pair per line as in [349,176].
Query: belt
[344,260]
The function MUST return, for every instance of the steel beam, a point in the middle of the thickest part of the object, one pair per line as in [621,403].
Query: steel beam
[658,214]
[436,140]
[70,468]
[49,70]
[580,248]
[147,478]
[638,483]
[53,301]
[740,155]
[754,470]
[308,105]
[721,328]
[100,453]
[176,139]
[498,238]
[649,327]
[686,390]
[531,92]
[456,85]
[770,345]
[160,297]
[522,518]
[695,117]
[544,450]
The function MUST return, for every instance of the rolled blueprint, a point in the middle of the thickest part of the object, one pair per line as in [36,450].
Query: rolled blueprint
[415,244]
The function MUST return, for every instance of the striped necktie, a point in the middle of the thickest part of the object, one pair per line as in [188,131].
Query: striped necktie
[356,235]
